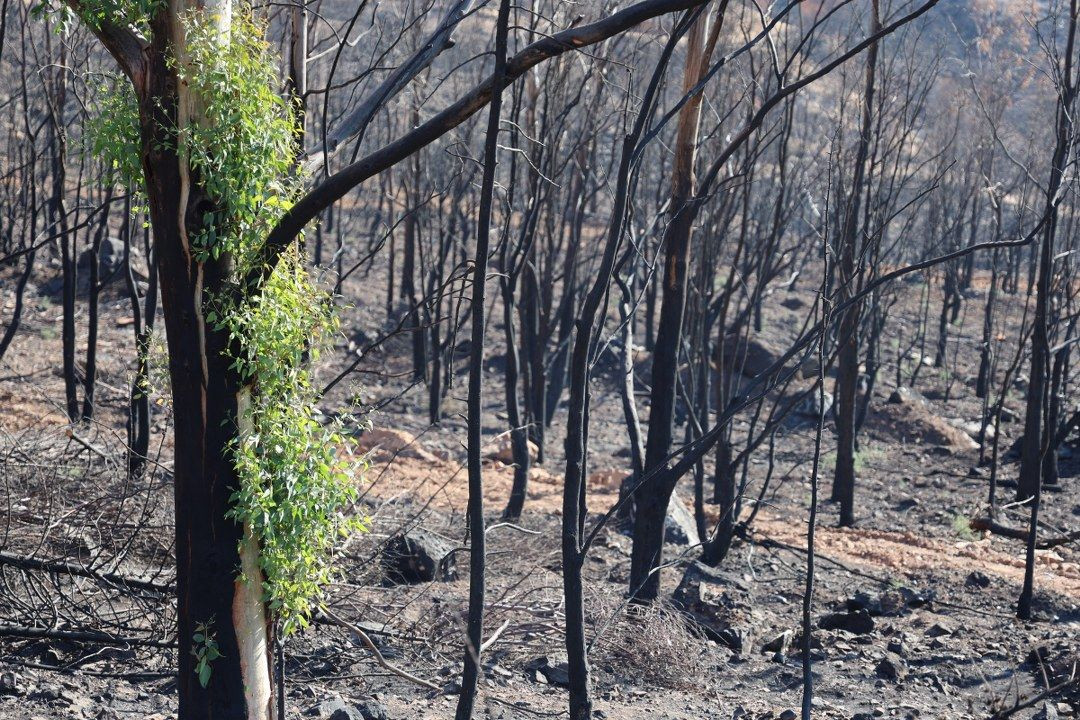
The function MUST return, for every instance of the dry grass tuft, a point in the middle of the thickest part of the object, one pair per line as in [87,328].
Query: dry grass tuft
[653,644]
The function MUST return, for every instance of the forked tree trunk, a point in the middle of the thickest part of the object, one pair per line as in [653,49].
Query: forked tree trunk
[655,493]
[1033,446]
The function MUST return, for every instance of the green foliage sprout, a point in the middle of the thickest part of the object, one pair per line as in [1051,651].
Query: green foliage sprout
[135,14]
[296,476]
[204,647]
[112,135]
[294,485]
[243,149]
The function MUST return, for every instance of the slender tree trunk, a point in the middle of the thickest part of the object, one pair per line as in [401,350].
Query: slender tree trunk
[519,437]
[561,357]
[652,289]
[847,375]
[1032,447]
[475,621]
[90,376]
[16,314]
[724,495]
[408,267]
[1036,436]
[1053,417]
[577,421]
[58,210]
[139,403]
[982,384]
[629,404]
[533,349]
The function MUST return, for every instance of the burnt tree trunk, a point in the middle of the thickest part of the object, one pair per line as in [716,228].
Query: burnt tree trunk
[90,376]
[655,493]
[475,620]
[847,373]
[219,582]
[16,314]
[1036,436]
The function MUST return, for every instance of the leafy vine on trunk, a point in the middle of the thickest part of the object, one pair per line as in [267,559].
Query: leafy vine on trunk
[295,476]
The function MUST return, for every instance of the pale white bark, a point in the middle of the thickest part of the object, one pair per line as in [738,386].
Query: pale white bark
[250,620]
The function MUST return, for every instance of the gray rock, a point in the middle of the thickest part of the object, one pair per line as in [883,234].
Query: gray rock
[52,693]
[891,668]
[679,526]
[11,684]
[810,405]
[778,644]
[548,670]
[418,556]
[372,710]
[815,642]
[857,622]
[705,595]
[558,674]
[110,258]
[904,395]
[978,579]
[342,710]
[331,708]
[1046,712]
[889,602]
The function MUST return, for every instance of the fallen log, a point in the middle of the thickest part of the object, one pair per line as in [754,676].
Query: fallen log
[91,636]
[990,525]
[57,566]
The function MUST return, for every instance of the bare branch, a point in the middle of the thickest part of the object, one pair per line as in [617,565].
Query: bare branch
[337,185]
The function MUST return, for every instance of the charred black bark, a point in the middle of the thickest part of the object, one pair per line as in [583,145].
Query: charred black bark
[90,376]
[847,373]
[477,530]
[17,311]
[1037,437]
